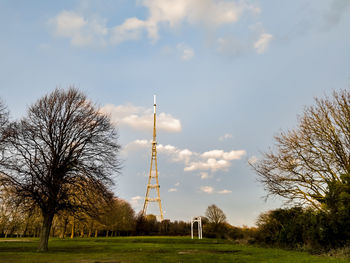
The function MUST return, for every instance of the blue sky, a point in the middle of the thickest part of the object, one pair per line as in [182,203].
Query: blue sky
[228,75]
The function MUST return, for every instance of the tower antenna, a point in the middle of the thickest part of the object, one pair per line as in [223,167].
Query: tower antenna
[153,183]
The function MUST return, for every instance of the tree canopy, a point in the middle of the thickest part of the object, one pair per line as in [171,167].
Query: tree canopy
[61,151]
[307,160]
[215,215]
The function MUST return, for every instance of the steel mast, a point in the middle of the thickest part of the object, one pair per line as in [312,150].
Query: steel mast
[153,182]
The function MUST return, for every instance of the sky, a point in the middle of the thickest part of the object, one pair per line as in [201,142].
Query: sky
[228,75]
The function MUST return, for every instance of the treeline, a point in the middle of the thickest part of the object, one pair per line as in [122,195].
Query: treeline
[300,228]
[294,228]
[150,226]
[114,218]
[310,228]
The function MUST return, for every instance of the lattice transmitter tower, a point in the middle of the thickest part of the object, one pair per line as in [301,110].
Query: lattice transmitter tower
[153,183]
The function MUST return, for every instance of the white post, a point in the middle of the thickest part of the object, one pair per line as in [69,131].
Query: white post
[199,230]
[192,229]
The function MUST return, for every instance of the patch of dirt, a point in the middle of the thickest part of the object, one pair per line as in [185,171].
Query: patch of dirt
[208,251]
[15,240]
[224,251]
[185,252]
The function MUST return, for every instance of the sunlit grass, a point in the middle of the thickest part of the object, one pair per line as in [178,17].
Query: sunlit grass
[148,249]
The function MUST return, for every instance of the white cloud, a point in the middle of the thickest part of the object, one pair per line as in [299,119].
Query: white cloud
[213,160]
[224,191]
[136,201]
[177,155]
[172,13]
[257,41]
[131,29]
[207,189]
[184,155]
[177,184]
[204,175]
[262,43]
[80,31]
[167,148]
[210,164]
[137,144]
[83,31]
[186,53]
[226,136]
[211,190]
[140,118]
[68,23]
[220,154]
[172,190]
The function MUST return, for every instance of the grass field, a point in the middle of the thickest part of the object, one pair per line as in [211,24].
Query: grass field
[148,249]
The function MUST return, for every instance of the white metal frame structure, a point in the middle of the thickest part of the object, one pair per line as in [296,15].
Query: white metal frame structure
[197,219]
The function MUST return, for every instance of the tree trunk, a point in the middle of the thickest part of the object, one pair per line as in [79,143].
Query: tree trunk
[27,223]
[25,229]
[65,222]
[73,226]
[90,229]
[45,232]
[53,229]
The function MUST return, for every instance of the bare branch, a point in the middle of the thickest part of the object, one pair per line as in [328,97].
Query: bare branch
[307,159]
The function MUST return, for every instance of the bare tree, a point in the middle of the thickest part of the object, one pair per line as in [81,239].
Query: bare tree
[307,159]
[4,114]
[64,144]
[4,123]
[215,215]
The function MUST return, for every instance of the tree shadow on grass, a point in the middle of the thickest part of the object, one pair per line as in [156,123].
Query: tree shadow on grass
[18,247]
[80,249]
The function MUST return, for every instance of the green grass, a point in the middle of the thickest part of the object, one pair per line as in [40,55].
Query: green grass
[148,249]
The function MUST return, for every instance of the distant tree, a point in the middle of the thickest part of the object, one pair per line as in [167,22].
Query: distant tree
[124,217]
[141,225]
[299,227]
[337,215]
[215,215]
[147,225]
[216,226]
[165,227]
[309,159]
[117,217]
[64,146]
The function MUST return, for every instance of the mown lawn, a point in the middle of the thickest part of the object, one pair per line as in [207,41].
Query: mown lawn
[148,249]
